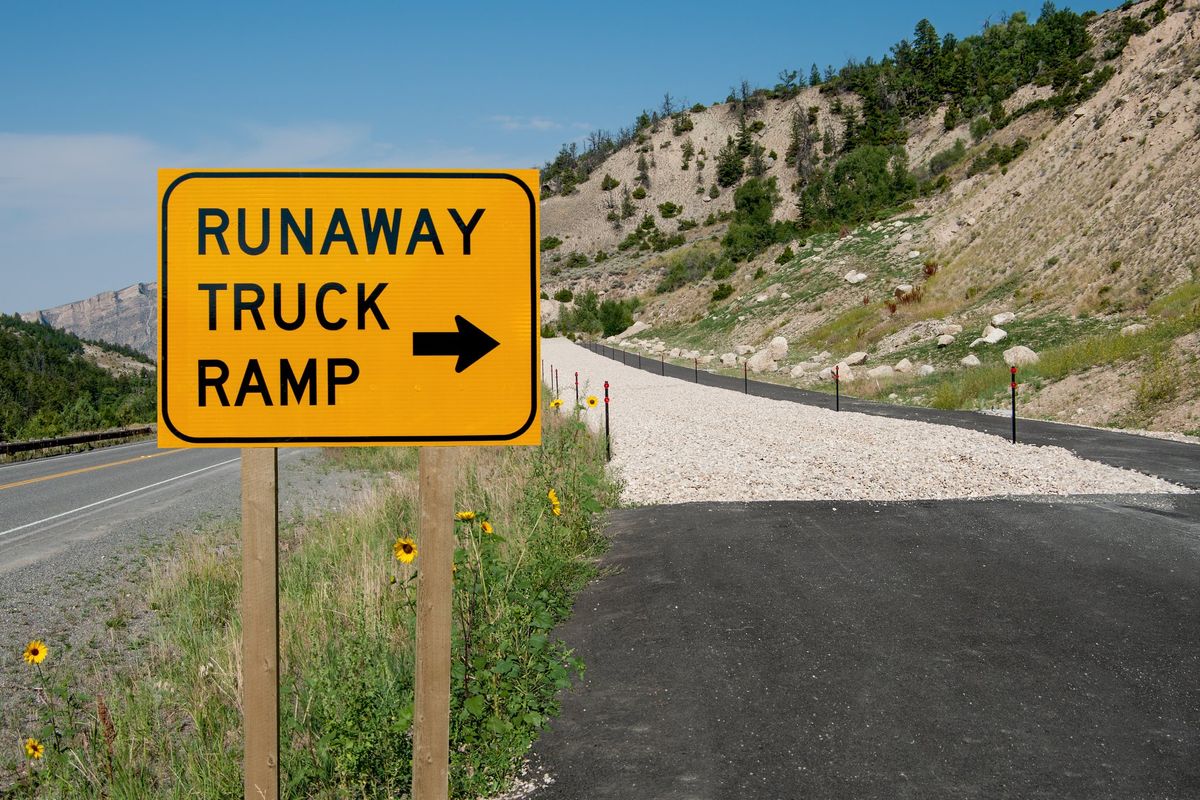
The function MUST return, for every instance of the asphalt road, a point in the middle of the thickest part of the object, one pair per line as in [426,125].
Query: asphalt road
[50,504]
[1178,462]
[1000,648]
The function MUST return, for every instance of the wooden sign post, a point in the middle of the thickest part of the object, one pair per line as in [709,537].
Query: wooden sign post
[435,586]
[260,620]
[330,308]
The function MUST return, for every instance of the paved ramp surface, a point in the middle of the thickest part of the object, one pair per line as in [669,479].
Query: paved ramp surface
[1001,648]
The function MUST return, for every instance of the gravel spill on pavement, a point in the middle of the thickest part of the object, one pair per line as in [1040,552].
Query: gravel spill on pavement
[674,441]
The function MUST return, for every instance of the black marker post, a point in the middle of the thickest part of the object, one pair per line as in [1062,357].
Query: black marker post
[837,390]
[1014,405]
[607,442]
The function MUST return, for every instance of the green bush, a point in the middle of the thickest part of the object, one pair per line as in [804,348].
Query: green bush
[730,163]
[550,242]
[639,193]
[687,267]
[751,230]
[669,210]
[724,270]
[722,291]
[564,295]
[947,158]
[576,261]
[682,124]
[786,256]
[687,224]
[609,182]
[980,127]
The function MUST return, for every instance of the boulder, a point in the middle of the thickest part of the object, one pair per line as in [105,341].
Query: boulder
[658,349]
[904,365]
[729,360]
[674,353]
[705,360]
[845,374]
[990,335]
[826,374]
[854,359]
[632,330]
[1019,356]
[785,296]
[1133,330]
[925,369]
[743,349]
[1003,318]
[804,367]
[945,340]
[947,329]
[822,356]
[914,253]
[906,236]
[778,347]
[903,289]
[882,371]
[762,362]
[854,276]
[762,298]
[970,361]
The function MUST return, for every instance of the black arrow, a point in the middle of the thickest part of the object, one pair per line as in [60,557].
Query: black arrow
[468,343]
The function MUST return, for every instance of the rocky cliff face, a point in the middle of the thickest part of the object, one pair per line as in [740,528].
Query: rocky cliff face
[128,316]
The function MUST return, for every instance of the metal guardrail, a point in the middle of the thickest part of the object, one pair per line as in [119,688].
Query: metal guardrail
[8,448]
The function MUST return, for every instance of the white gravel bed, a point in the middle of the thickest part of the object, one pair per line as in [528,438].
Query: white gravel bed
[676,442]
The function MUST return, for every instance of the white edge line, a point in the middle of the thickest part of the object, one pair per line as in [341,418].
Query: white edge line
[65,456]
[116,497]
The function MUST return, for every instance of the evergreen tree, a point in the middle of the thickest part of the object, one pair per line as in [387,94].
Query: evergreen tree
[814,77]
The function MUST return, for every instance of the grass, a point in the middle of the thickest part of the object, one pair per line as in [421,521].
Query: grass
[346,659]
[980,386]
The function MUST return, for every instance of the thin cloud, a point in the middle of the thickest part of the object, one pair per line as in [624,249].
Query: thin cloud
[510,123]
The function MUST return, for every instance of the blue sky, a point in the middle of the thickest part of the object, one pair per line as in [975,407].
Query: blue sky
[95,96]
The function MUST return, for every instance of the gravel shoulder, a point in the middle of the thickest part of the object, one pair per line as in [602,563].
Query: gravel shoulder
[675,442]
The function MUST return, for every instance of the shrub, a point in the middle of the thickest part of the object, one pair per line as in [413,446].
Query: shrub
[714,192]
[669,210]
[758,273]
[724,270]
[682,124]
[980,127]
[564,295]
[947,158]
[687,224]
[601,256]
[609,182]
[786,256]
[722,291]
[698,107]
[639,193]
[550,242]
[751,230]
[730,166]
[687,267]
[576,261]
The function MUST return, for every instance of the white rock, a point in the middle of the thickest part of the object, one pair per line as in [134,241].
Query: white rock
[1133,330]
[729,360]
[906,236]
[853,276]
[762,361]
[948,329]
[899,223]
[632,330]
[970,361]
[990,336]
[945,340]
[969,221]
[674,353]
[1003,318]
[778,347]
[925,369]
[914,253]
[705,360]
[658,348]
[785,296]
[903,288]
[762,298]
[1019,356]
[904,365]
[882,371]
[854,359]
[743,349]
[822,356]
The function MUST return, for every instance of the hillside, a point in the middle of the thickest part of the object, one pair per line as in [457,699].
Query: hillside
[52,383]
[1067,202]
[126,317]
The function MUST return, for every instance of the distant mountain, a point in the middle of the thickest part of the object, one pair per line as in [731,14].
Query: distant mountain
[127,317]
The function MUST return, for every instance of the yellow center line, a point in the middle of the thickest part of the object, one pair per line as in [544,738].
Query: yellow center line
[86,469]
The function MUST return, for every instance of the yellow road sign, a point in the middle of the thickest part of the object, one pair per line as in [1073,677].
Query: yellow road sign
[349,307]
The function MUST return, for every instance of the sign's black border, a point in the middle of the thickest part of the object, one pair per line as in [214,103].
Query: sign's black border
[534,327]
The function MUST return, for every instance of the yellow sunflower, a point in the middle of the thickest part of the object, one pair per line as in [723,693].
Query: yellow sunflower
[592,401]
[465,516]
[405,549]
[556,402]
[34,749]
[35,653]
[487,527]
